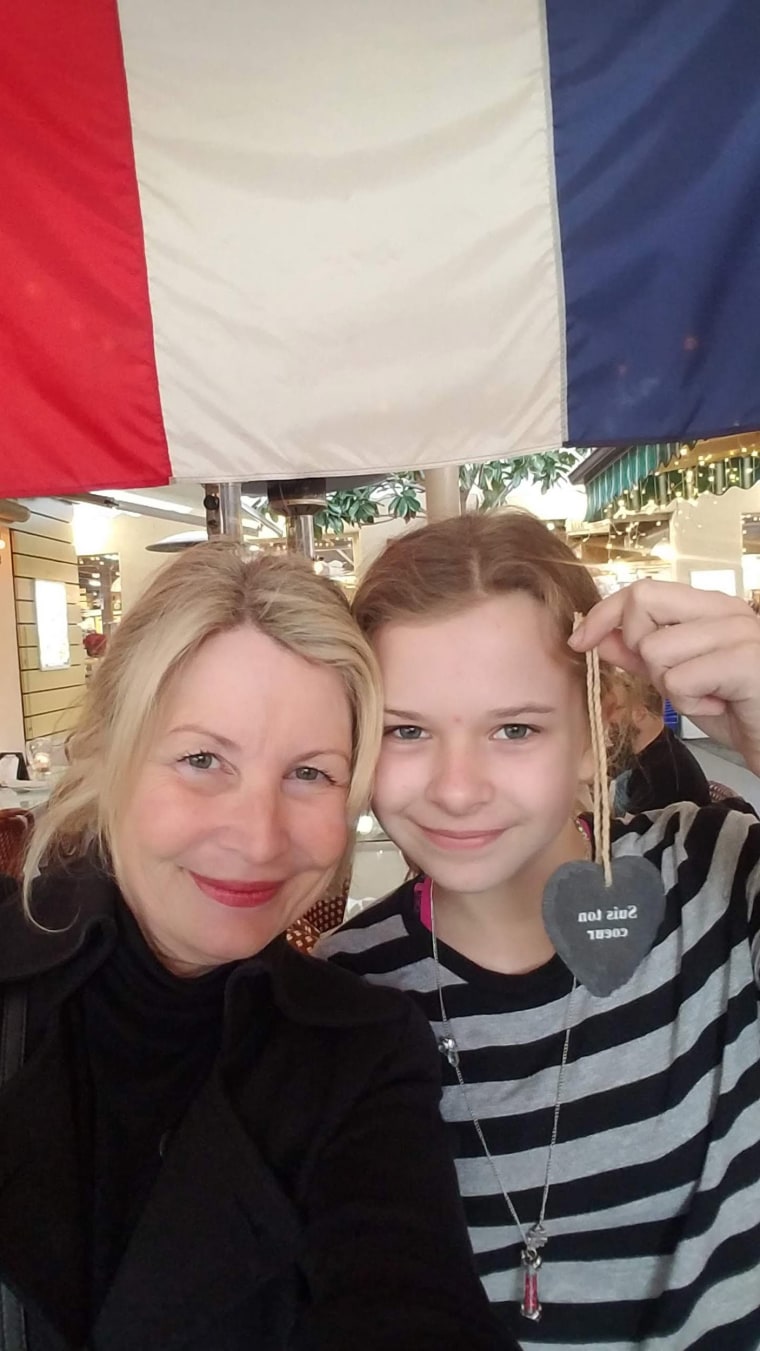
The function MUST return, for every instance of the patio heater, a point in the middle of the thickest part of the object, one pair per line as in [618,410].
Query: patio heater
[221,502]
[297,500]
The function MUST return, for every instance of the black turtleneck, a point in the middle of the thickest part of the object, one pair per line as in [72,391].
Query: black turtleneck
[149,1040]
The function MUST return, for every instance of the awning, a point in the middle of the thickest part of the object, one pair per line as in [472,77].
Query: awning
[657,475]
[626,472]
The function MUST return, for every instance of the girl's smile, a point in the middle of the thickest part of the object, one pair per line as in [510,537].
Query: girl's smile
[460,839]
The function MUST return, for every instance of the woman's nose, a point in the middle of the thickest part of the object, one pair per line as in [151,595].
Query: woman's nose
[253,821]
[459,783]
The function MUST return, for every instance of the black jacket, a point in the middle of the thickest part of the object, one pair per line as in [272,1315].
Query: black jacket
[664,772]
[317,1211]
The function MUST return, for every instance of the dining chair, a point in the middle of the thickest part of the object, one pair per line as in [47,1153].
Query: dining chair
[15,825]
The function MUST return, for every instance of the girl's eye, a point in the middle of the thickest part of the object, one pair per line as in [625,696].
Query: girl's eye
[200,760]
[515,731]
[310,774]
[404,733]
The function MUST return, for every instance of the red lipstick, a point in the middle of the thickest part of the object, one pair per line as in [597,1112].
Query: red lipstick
[238,895]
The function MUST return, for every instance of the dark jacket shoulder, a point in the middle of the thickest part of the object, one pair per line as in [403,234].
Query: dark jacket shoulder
[73,925]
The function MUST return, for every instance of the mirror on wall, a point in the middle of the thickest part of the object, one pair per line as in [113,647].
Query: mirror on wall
[99,599]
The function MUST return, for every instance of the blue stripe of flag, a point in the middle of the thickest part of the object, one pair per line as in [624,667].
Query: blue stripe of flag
[656,111]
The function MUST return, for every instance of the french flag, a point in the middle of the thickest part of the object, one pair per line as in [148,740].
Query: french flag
[273,238]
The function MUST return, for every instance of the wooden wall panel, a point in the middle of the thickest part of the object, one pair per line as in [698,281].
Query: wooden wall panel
[29,659]
[37,546]
[34,681]
[66,700]
[27,637]
[43,547]
[25,612]
[24,588]
[45,527]
[26,566]
[49,724]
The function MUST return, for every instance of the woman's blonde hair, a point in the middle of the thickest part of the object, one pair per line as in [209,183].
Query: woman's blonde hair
[443,568]
[639,692]
[209,590]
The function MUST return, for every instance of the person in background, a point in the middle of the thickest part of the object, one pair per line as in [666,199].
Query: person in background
[214,1143]
[95,643]
[653,766]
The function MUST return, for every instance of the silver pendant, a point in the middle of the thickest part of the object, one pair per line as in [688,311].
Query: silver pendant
[448,1048]
[531,1265]
[530,1257]
[536,1237]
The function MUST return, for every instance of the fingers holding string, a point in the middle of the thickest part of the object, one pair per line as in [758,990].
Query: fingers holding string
[621,622]
[651,628]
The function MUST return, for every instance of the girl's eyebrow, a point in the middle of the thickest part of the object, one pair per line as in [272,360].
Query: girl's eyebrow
[507,713]
[495,713]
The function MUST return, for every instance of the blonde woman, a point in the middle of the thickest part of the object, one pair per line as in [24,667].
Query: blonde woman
[213,1143]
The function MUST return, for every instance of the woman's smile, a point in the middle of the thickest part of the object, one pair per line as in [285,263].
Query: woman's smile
[236,894]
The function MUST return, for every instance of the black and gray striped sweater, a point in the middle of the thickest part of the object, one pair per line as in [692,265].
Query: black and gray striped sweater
[654,1208]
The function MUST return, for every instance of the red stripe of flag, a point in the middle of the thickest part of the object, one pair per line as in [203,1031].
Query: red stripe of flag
[79,402]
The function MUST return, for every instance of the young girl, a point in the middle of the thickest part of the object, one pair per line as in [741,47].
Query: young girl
[608,1148]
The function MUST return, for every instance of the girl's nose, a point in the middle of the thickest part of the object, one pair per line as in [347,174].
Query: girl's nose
[459,783]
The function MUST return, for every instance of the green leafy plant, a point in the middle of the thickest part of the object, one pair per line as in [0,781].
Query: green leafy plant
[405,501]
[496,479]
[402,495]
[399,496]
[347,507]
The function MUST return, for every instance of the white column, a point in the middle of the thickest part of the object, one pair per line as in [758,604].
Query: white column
[442,493]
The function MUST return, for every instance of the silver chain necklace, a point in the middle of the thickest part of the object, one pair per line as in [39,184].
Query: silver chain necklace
[536,1237]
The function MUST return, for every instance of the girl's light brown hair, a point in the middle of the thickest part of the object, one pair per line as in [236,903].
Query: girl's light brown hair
[443,568]
[209,590]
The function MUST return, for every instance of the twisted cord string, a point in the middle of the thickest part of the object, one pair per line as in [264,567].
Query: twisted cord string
[601,795]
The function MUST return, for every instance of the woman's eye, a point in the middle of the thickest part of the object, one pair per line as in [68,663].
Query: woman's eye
[515,731]
[404,733]
[199,760]
[310,774]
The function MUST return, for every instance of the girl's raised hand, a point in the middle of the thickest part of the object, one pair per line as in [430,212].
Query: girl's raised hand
[700,648]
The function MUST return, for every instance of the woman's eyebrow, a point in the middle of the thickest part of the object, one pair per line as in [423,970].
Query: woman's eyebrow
[204,732]
[403,713]
[225,742]
[324,750]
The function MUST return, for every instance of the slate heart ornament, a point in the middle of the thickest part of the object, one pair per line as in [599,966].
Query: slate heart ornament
[604,933]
